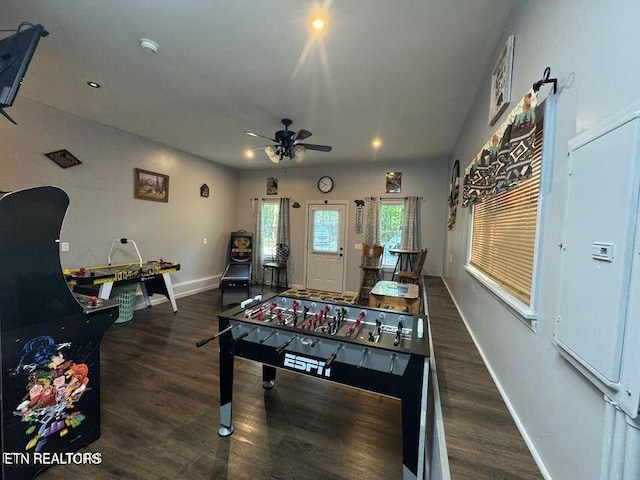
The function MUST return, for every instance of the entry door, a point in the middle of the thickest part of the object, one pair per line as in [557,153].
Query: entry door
[325,247]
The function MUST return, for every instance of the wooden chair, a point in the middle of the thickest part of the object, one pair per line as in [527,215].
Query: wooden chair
[277,263]
[414,276]
[371,268]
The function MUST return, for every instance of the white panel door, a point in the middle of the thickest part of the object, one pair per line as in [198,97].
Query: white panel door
[325,247]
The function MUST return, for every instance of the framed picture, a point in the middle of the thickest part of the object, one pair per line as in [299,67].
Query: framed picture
[272,186]
[501,82]
[394,182]
[151,186]
[63,158]
[204,190]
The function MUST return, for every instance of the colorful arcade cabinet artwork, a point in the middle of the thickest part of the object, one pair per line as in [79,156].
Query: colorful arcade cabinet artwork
[50,339]
[237,275]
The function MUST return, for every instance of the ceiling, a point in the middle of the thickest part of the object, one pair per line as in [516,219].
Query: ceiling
[406,71]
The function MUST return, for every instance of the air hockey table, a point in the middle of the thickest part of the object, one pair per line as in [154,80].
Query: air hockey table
[153,277]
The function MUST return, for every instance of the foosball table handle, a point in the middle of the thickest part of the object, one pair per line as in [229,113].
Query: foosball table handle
[281,348]
[393,361]
[245,334]
[204,341]
[364,354]
[333,356]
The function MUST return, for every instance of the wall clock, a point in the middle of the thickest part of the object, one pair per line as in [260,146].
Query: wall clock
[325,184]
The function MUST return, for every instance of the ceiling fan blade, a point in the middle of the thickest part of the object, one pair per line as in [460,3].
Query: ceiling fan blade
[302,134]
[320,148]
[251,134]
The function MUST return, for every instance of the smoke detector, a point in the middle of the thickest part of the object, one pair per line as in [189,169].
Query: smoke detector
[148,46]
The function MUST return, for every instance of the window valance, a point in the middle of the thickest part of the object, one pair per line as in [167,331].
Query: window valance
[506,158]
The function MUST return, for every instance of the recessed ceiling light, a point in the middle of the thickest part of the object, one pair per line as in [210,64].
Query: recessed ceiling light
[249,153]
[376,143]
[93,84]
[317,23]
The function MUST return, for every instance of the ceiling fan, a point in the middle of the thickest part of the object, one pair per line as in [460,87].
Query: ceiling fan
[289,144]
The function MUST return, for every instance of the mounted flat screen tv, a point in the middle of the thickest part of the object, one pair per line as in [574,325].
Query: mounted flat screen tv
[15,55]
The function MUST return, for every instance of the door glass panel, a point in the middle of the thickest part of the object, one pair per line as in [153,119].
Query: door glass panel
[326,225]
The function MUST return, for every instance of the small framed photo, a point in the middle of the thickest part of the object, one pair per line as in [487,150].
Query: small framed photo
[204,190]
[63,158]
[501,82]
[151,186]
[394,182]
[272,186]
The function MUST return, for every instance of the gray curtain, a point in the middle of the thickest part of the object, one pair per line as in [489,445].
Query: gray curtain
[283,223]
[283,226]
[256,259]
[372,229]
[411,224]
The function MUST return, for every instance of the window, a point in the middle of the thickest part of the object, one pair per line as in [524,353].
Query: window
[326,226]
[390,230]
[269,227]
[503,237]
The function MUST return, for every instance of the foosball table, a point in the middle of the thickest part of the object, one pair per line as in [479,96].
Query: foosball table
[382,351]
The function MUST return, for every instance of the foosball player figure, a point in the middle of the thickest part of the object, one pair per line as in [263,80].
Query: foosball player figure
[279,316]
[271,309]
[295,306]
[305,310]
[398,338]
[374,336]
[333,327]
[344,315]
[260,313]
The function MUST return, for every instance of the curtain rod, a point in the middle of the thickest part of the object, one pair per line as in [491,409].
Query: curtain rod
[544,80]
[393,198]
[270,198]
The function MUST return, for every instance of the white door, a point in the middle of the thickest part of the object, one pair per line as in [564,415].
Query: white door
[325,247]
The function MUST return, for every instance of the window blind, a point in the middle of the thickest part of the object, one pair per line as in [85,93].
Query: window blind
[504,231]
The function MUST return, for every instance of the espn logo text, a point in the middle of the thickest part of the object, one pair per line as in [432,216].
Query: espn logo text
[304,364]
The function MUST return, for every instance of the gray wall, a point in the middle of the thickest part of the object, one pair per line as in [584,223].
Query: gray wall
[102,205]
[427,178]
[588,45]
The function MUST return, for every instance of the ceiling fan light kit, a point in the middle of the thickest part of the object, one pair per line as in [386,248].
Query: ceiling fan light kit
[149,46]
[272,154]
[299,153]
[289,144]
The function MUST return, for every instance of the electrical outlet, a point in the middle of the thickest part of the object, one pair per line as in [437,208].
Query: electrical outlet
[204,241]
[358,246]
[64,246]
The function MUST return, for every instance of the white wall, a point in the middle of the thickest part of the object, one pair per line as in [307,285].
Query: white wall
[426,178]
[589,46]
[102,206]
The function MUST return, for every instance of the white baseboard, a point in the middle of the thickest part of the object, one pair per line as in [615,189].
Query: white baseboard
[505,398]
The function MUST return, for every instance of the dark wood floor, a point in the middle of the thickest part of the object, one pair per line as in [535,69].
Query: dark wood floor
[482,439]
[160,410]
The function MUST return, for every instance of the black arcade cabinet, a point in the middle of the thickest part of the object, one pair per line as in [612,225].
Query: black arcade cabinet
[50,341]
[237,275]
